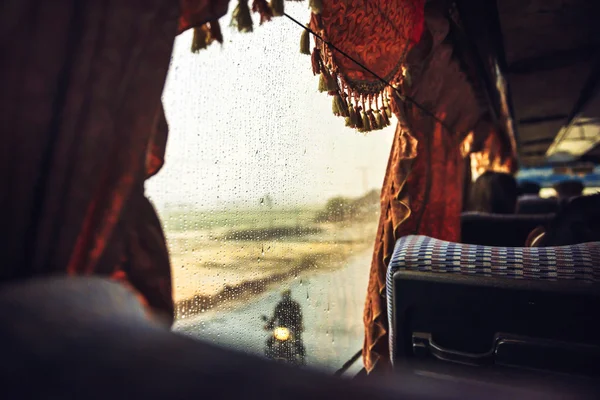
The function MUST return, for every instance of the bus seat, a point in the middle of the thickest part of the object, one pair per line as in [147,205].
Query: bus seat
[493,307]
[536,205]
[510,230]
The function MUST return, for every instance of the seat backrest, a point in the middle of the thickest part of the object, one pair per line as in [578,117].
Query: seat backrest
[537,205]
[492,306]
[510,230]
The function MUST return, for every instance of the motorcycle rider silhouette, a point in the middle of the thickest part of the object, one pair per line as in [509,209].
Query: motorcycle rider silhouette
[288,314]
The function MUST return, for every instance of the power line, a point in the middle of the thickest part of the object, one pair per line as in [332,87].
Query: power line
[361,65]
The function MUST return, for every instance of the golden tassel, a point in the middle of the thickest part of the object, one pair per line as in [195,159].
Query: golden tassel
[332,85]
[335,107]
[316,6]
[388,112]
[241,18]
[358,124]
[215,31]
[322,83]
[200,40]
[384,118]
[379,120]
[277,7]
[305,42]
[327,83]
[352,115]
[372,120]
[366,124]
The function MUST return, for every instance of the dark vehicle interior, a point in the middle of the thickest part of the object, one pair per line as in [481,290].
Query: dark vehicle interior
[539,64]
[460,303]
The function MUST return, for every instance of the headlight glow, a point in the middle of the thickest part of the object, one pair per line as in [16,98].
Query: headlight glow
[281,333]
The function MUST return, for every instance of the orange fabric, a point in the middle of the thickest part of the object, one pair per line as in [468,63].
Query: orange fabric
[356,35]
[422,194]
[83,128]
[378,34]
[423,187]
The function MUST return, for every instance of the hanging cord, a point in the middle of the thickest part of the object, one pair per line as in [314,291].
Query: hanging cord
[361,65]
[348,363]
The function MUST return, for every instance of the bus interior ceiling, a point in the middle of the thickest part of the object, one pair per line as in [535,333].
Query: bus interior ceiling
[548,54]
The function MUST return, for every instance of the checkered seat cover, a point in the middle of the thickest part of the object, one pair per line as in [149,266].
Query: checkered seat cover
[424,254]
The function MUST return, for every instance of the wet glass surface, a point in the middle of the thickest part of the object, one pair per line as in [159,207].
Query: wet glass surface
[264,190]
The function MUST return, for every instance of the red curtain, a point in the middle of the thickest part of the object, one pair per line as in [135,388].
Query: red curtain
[82,129]
[423,188]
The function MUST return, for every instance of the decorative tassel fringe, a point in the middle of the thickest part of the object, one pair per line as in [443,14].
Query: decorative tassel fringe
[348,120]
[215,31]
[305,43]
[327,83]
[379,120]
[368,116]
[384,117]
[322,83]
[332,85]
[351,118]
[201,38]
[363,111]
[366,124]
[206,34]
[241,18]
[335,106]
[344,104]
[340,106]
[277,7]
[263,8]
[316,6]
[359,121]
[372,121]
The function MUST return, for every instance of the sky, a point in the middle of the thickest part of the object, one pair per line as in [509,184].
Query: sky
[246,119]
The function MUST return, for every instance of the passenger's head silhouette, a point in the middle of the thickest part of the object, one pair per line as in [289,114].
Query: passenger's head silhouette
[569,188]
[577,222]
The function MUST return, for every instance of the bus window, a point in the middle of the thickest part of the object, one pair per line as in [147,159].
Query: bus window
[262,192]
[547,177]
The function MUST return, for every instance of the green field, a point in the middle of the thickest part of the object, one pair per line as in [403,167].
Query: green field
[190,220]
[216,254]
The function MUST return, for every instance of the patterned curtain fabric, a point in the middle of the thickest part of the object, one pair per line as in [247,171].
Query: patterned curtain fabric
[82,129]
[423,187]
[354,34]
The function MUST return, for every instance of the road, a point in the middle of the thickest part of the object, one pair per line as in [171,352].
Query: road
[332,305]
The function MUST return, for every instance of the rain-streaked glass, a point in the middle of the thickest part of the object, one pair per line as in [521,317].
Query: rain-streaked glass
[265,190]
